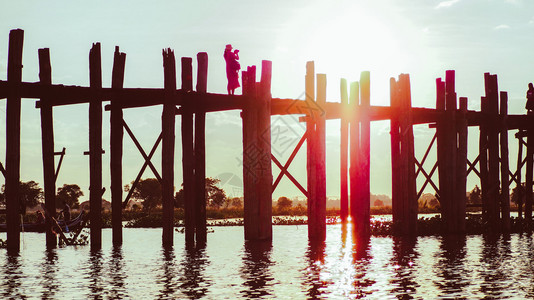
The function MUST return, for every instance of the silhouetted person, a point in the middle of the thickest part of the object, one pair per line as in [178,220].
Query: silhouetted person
[232,68]
[530,98]
[66,212]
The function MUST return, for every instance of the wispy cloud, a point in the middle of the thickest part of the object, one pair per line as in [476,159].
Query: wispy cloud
[447,3]
[501,27]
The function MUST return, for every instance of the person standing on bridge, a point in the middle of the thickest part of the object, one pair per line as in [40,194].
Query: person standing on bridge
[530,98]
[232,68]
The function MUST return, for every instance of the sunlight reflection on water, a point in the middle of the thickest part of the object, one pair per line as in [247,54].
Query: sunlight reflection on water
[289,267]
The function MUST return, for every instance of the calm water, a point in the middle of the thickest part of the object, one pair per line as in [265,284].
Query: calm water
[229,268]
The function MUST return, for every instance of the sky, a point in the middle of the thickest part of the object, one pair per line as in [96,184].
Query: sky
[423,38]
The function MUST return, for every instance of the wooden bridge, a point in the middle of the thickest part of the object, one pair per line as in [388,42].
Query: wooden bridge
[450,121]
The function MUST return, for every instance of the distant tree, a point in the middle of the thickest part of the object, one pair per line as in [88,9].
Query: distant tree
[148,191]
[30,193]
[69,193]
[378,202]
[236,202]
[514,197]
[284,203]
[475,196]
[215,196]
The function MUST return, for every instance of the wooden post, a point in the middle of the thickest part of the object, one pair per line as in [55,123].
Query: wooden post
[483,161]
[493,149]
[410,203]
[116,139]
[519,186]
[250,155]
[450,150]
[95,147]
[320,159]
[397,196]
[441,149]
[461,164]
[310,154]
[354,172]
[13,107]
[188,158]
[363,206]
[344,152]
[167,151]
[505,168]
[47,134]
[263,137]
[200,152]
[529,174]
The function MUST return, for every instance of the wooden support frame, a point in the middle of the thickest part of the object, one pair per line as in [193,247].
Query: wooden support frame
[284,168]
[344,152]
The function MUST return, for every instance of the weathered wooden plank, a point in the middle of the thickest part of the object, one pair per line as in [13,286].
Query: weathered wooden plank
[116,146]
[47,142]
[167,151]
[200,153]
[13,108]
[95,147]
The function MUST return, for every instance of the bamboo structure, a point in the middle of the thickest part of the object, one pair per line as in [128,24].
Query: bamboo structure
[451,119]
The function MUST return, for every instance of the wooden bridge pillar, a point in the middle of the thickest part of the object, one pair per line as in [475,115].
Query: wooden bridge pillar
[116,146]
[529,173]
[362,209]
[505,178]
[354,141]
[316,156]
[344,152]
[167,153]
[95,147]
[257,173]
[493,187]
[47,139]
[200,152]
[13,108]
[188,156]
[461,167]
[452,154]
[402,154]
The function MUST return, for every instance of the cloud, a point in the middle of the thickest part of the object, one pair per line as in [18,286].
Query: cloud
[447,3]
[501,27]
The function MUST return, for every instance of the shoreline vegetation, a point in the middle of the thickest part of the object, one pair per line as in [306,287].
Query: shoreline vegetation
[380,226]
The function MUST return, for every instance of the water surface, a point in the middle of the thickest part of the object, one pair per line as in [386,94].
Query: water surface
[228,267]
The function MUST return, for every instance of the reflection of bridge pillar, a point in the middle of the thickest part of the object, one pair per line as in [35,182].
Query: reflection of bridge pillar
[257,173]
